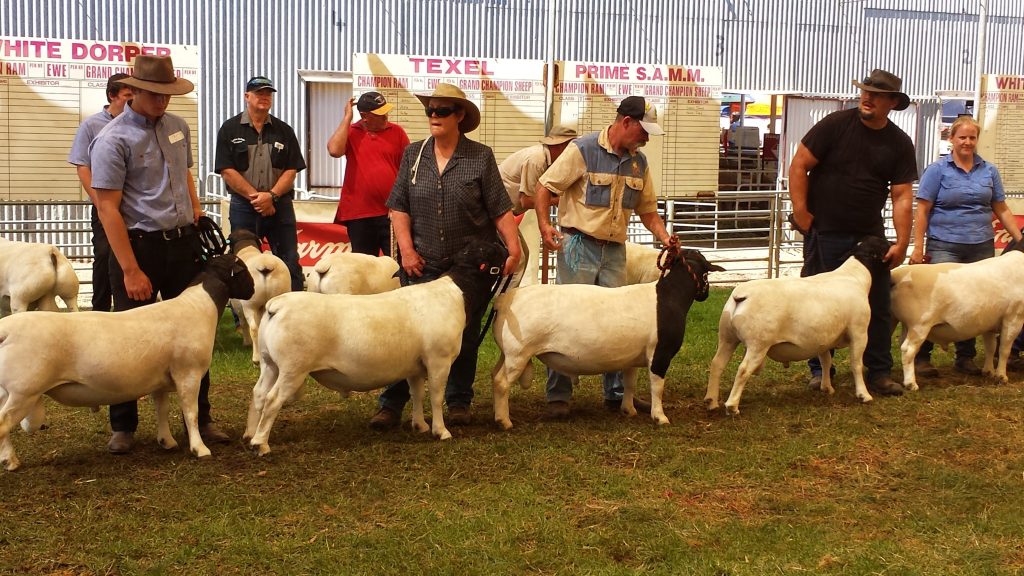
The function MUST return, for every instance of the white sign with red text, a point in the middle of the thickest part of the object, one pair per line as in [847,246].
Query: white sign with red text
[509,93]
[47,87]
[684,162]
[1001,115]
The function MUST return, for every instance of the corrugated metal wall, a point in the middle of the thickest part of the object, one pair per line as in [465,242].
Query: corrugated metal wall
[809,46]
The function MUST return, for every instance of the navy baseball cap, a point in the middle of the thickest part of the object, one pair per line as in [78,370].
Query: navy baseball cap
[638,109]
[257,83]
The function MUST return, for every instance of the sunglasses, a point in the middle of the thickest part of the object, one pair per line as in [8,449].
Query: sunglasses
[442,112]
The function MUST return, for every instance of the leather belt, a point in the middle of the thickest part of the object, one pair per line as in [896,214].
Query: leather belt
[170,234]
[598,241]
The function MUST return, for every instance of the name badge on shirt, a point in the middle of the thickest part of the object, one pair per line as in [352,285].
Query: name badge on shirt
[278,145]
[176,137]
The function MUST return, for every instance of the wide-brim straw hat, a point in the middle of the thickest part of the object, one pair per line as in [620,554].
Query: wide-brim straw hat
[558,135]
[471,120]
[156,74]
[885,82]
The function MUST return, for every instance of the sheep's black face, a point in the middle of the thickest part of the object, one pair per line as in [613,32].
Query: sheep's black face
[230,270]
[870,251]
[485,256]
[242,238]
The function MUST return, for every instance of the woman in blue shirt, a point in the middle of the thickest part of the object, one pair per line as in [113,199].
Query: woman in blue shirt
[956,198]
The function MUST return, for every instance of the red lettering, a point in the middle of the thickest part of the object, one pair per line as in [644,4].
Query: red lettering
[131,51]
[453,67]
[581,71]
[116,52]
[472,67]
[416,64]
[434,65]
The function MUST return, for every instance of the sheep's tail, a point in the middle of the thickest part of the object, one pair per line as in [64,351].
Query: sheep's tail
[323,266]
[66,285]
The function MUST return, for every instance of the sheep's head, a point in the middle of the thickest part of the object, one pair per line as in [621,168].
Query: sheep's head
[676,262]
[227,277]
[487,256]
[242,238]
[870,251]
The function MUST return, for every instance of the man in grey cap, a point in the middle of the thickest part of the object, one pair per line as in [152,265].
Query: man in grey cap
[520,173]
[147,201]
[258,156]
[845,168]
[601,179]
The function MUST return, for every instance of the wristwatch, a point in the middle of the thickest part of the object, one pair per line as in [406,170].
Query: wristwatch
[275,197]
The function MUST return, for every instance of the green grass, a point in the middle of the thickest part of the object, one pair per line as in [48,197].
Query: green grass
[798,483]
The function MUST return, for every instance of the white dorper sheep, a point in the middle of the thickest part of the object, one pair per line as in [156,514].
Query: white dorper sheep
[270,278]
[580,329]
[100,358]
[949,302]
[365,342]
[33,275]
[791,319]
[353,273]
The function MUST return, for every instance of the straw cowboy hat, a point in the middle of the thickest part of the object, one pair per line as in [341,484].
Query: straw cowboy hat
[558,135]
[886,82]
[472,118]
[156,74]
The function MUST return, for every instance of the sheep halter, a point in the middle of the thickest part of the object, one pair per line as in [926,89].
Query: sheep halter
[670,254]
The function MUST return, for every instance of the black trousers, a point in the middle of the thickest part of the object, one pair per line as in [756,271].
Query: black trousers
[101,296]
[370,235]
[170,265]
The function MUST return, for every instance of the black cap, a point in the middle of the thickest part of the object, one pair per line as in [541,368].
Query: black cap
[257,83]
[637,108]
[373,103]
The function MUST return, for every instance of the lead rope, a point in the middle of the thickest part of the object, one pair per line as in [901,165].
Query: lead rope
[671,253]
[500,286]
[211,238]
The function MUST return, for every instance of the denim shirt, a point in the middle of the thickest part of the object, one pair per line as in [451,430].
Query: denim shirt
[148,162]
[961,201]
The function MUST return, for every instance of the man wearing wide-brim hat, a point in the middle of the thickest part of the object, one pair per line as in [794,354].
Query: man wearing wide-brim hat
[147,202]
[448,192]
[845,168]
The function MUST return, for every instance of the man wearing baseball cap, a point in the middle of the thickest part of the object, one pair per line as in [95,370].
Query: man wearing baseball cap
[600,180]
[147,202]
[258,156]
[373,149]
[844,169]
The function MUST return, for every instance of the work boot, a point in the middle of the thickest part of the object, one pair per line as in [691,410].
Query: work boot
[213,435]
[814,383]
[385,419]
[924,369]
[557,410]
[967,366]
[458,416]
[121,442]
[883,385]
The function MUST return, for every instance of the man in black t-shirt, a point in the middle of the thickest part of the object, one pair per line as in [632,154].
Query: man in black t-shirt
[843,171]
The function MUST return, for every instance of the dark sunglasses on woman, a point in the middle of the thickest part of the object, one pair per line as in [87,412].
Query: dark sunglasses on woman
[441,112]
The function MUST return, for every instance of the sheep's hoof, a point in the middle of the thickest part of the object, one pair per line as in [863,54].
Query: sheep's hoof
[734,410]
[260,450]
[202,454]
[504,424]
[11,464]
[865,398]
[711,404]
[662,421]
[444,435]
[420,426]
[912,386]
[167,443]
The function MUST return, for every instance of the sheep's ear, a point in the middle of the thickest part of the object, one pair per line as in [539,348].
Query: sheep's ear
[715,268]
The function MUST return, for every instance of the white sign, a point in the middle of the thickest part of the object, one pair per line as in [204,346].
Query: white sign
[684,162]
[509,93]
[47,87]
[1001,116]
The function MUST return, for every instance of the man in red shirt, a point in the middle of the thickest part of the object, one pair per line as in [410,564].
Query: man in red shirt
[373,150]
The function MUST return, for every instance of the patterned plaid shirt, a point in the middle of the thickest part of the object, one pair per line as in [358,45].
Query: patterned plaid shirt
[449,209]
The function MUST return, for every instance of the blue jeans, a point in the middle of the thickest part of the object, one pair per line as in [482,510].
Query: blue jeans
[584,260]
[458,391]
[279,230]
[939,252]
[824,253]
